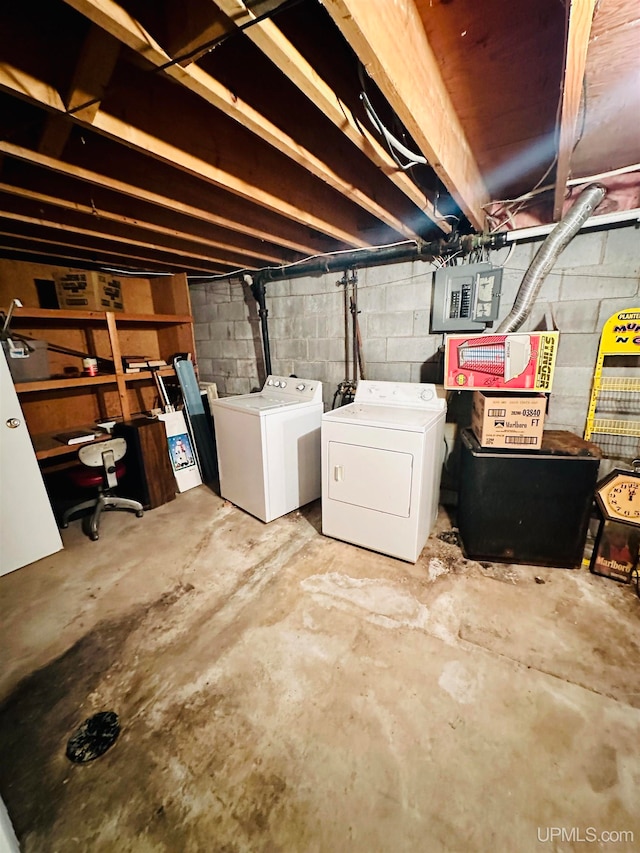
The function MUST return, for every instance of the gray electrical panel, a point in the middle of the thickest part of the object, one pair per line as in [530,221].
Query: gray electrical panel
[466,298]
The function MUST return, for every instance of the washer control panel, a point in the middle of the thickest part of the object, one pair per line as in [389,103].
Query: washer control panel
[293,388]
[415,394]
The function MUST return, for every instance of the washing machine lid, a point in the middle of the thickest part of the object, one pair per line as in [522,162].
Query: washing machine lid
[278,392]
[256,403]
[389,417]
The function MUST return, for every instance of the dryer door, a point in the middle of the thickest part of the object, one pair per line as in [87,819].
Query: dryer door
[370,477]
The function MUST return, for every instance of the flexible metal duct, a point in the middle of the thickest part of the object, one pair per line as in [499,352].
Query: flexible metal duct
[547,255]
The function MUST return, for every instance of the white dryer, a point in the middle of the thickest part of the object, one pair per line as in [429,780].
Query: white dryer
[382,459]
[268,446]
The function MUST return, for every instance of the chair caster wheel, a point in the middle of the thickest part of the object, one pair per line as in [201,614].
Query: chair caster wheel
[64,525]
[94,536]
[139,513]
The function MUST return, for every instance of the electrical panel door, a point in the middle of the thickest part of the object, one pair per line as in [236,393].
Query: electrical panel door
[466,297]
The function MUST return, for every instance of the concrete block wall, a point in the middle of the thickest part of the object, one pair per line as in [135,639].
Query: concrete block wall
[597,275]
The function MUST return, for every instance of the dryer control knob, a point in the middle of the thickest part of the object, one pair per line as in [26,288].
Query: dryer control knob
[427,394]
[277,383]
[283,384]
[269,381]
[300,387]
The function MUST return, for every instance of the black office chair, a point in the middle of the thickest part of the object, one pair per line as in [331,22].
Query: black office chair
[106,456]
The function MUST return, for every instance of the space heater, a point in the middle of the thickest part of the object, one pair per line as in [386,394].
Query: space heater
[499,355]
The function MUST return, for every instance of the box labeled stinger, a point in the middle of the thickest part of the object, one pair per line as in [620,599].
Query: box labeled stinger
[522,361]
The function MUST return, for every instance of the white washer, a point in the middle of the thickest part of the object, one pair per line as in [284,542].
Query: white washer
[381,464]
[268,446]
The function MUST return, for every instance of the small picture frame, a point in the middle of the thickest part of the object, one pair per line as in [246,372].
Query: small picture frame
[180,452]
[616,550]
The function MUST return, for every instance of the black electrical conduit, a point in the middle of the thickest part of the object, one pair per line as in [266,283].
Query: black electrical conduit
[453,245]
[358,258]
[259,294]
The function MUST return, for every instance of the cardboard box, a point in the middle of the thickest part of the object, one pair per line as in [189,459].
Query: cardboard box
[89,291]
[514,422]
[513,362]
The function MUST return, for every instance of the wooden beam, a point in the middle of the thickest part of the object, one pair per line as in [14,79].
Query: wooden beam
[146,143]
[119,130]
[24,85]
[192,24]
[579,19]
[237,255]
[63,249]
[67,228]
[111,16]
[95,66]
[55,135]
[93,71]
[391,43]
[270,40]
[141,194]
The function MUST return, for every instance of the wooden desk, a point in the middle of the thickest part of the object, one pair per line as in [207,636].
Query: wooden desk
[148,477]
[47,446]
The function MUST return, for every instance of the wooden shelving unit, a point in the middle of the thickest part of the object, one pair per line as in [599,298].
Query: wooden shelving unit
[158,326]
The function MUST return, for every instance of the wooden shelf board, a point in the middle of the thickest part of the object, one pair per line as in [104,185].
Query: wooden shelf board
[82,381]
[154,319]
[60,314]
[148,374]
[57,314]
[75,382]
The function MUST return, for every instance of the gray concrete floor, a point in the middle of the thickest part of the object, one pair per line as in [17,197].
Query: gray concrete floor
[281,691]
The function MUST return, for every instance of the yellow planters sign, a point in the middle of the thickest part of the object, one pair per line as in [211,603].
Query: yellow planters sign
[621,333]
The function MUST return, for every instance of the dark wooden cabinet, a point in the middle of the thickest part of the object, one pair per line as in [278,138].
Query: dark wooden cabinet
[149,477]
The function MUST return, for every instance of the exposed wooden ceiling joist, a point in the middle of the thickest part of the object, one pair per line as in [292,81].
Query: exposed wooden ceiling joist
[57,247]
[116,21]
[412,83]
[93,72]
[230,254]
[190,25]
[94,69]
[37,91]
[270,40]
[260,151]
[123,241]
[579,18]
[137,193]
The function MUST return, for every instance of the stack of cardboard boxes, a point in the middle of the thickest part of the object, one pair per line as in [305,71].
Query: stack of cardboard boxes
[525,495]
[510,376]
